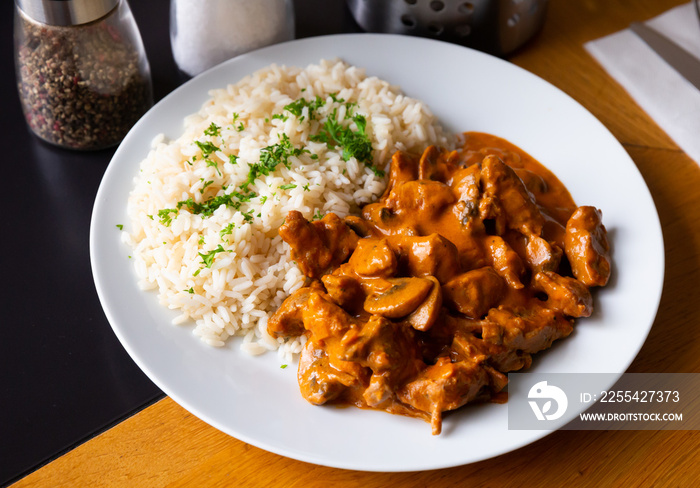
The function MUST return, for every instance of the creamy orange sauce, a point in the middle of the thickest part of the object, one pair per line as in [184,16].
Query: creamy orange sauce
[454,277]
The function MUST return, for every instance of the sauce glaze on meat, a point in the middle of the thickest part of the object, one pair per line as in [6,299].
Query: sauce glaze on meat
[470,262]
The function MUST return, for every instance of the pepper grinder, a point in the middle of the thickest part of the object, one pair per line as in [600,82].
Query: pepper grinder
[82,73]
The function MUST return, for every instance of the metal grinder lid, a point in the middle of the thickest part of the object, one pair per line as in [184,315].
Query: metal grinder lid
[66,12]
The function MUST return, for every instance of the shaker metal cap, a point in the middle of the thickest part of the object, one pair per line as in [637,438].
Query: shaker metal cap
[66,12]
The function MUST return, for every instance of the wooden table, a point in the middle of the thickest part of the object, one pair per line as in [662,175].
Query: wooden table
[164,445]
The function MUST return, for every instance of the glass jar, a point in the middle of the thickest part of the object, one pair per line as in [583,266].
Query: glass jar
[204,33]
[82,72]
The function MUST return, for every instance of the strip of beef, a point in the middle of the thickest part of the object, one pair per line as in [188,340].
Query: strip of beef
[287,321]
[528,329]
[507,200]
[587,248]
[317,246]
[564,294]
[505,261]
[403,168]
[446,386]
[319,382]
[388,350]
[437,164]
[466,344]
[473,293]
[431,255]
[541,255]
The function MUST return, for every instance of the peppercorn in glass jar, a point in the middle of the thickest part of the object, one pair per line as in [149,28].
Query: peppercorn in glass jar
[82,73]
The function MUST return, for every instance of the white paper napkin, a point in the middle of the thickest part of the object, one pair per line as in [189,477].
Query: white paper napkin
[668,98]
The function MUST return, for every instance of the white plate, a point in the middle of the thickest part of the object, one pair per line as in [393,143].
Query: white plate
[252,398]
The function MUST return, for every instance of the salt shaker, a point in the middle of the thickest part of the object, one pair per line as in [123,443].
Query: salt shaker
[204,33]
[82,72]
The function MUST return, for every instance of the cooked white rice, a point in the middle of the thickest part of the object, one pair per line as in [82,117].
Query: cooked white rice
[251,273]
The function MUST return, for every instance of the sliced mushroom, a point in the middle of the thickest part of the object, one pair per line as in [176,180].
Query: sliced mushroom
[402,297]
[423,317]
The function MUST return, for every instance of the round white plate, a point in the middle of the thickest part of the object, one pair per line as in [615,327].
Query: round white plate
[256,401]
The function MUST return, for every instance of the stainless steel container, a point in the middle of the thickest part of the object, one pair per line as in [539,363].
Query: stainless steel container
[66,12]
[494,26]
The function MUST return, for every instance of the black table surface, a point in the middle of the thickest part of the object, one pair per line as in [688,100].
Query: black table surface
[64,376]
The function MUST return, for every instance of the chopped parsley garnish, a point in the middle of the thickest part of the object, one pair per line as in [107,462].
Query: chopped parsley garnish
[206,184]
[208,207]
[288,187]
[244,197]
[270,157]
[227,230]
[283,366]
[350,106]
[165,217]
[206,147]
[208,257]
[213,164]
[248,216]
[120,227]
[317,216]
[355,144]
[212,130]
[233,159]
[335,98]
[190,291]
[306,187]
[297,107]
